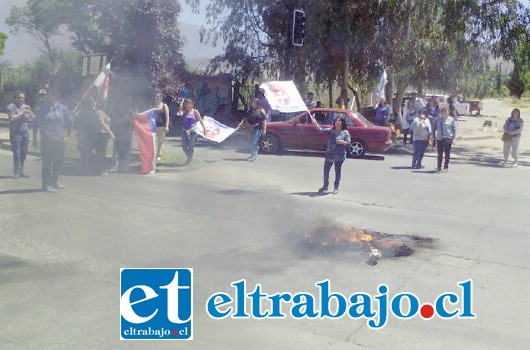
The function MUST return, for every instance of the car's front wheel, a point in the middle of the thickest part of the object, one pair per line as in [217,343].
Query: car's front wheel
[357,148]
[270,144]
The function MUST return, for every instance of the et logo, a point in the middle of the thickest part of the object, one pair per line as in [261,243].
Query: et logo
[156,304]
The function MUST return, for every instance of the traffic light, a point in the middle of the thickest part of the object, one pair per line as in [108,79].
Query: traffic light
[298,27]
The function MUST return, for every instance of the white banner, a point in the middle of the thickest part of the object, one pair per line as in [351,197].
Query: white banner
[381,86]
[283,96]
[215,131]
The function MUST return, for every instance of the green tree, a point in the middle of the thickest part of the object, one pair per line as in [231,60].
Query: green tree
[3,38]
[155,44]
[433,44]
[41,19]
[141,38]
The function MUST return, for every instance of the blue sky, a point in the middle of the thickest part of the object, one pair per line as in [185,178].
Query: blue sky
[186,16]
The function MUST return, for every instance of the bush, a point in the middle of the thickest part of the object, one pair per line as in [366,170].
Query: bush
[505,92]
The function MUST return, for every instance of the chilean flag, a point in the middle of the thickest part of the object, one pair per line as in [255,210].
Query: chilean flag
[145,127]
[102,83]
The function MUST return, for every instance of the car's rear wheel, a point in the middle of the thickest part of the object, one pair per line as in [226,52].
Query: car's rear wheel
[357,148]
[270,144]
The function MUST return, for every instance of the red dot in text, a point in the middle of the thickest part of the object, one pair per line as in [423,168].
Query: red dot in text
[427,311]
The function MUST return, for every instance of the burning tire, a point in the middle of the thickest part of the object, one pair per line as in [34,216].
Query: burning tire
[357,148]
[270,144]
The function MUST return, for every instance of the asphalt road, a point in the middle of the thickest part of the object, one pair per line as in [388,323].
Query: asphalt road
[228,219]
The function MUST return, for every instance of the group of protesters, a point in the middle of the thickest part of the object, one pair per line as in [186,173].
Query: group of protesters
[55,124]
[426,123]
[94,128]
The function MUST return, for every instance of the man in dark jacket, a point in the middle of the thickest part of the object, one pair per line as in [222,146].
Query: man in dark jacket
[55,123]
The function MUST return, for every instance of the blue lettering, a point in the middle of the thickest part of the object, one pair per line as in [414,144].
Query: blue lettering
[362,308]
[212,305]
[240,287]
[382,298]
[467,299]
[325,298]
[304,308]
[440,305]
[276,300]
[414,305]
[256,296]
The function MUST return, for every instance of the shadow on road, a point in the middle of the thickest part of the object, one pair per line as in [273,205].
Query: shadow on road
[26,191]
[430,172]
[236,159]
[400,168]
[312,194]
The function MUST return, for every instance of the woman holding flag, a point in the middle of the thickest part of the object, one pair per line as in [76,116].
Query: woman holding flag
[338,141]
[189,136]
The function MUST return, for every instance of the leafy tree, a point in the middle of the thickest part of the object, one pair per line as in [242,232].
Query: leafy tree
[257,34]
[504,28]
[433,44]
[140,37]
[3,38]
[155,43]
[41,19]
[31,77]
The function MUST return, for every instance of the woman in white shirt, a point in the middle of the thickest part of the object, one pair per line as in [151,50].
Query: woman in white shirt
[421,128]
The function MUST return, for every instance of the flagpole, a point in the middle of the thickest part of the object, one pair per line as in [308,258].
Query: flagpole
[81,100]
[106,71]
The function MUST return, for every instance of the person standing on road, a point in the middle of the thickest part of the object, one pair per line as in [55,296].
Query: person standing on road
[55,123]
[445,129]
[512,136]
[265,105]
[19,115]
[382,111]
[409,114]
[452,109]
[421,128]
[86,124]
[257,119]
[162,123]
[189,136]
[432,112]
[122,128]
[339,139]
[102,141]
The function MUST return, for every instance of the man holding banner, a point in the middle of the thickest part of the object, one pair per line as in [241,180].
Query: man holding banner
[257,119]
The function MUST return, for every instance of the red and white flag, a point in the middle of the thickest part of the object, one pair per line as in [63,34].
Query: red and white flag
[102,83]
[145,127]
[283,96]
[215,131]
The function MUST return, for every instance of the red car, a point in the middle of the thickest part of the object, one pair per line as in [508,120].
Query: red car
[299,133]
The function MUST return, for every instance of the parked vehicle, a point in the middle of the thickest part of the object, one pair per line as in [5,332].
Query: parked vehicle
[475,106]
[299,133]
[461,107]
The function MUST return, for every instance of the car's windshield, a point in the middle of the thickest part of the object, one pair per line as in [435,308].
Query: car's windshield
[295,117]
[364,120]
